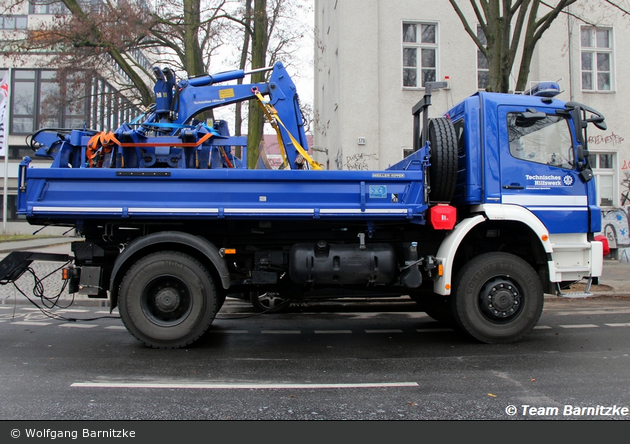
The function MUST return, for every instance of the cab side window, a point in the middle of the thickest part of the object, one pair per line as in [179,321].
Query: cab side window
[543,140]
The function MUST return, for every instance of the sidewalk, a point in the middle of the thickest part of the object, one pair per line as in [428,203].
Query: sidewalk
[615,281]
[34,244]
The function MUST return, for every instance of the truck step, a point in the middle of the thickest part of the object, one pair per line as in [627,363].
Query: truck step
[577,295]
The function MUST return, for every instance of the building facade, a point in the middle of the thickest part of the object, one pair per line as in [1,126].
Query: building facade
[41,98]
[372,58]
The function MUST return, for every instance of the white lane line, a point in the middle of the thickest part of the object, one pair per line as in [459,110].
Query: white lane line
[593,312]
[31,323]
[116,327]
[333,332]
[542,327]
[238,332]
[78,325]
[433,330]
[281,332]
[384,330]
[625,324]
[248,386]
[580,326]
[6,308]
[72,310]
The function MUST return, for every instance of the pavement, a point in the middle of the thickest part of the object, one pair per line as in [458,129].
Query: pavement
[614,283]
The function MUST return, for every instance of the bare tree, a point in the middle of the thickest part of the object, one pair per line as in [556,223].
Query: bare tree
[503,24]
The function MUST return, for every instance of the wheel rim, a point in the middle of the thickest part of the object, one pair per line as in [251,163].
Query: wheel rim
[270,300]
[166,301]
[500,299]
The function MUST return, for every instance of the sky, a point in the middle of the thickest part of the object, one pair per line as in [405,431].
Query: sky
[301,69]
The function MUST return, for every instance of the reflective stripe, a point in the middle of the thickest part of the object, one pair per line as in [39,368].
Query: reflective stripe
[76,210]
[535,199]
[174,210]
[557,208]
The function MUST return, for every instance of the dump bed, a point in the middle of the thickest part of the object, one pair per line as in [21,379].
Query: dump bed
[69,195]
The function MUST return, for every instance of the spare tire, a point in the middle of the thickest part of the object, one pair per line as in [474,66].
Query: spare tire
[442,174]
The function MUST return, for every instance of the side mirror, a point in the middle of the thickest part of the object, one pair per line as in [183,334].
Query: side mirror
[529,118]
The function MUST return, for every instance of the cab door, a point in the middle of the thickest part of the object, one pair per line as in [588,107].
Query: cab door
[539,168]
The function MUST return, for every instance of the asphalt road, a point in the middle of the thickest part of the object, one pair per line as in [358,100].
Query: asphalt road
[338,361]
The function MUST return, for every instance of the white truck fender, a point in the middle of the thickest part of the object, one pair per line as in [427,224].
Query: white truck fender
[450,245]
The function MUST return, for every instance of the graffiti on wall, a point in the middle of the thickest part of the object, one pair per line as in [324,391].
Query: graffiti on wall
[616,228]
[612,139]
[359,161]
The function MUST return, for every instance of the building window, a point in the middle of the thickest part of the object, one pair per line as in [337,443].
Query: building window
[37,102]
[483,69]
[597,58]
[603,165]
[420,52]
[13,22]
[46,7]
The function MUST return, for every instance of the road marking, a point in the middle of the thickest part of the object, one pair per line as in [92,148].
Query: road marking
[239,332]
[78,325]
[580,326]
[281,332]
[248,386]
[116,327]
[384,330]
[6,308]
[332,332]
[31,323]
[626,324]
[72,310]
[542,327]
[593,312]
[433,330]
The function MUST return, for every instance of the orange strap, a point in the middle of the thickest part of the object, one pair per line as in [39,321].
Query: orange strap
[107,140]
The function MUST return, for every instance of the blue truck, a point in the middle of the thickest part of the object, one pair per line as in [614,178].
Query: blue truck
[495,207]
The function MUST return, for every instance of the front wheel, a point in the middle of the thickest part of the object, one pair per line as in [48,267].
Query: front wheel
[498,298]
[167,299]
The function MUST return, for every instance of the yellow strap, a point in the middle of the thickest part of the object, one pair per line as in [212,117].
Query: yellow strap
[272,115]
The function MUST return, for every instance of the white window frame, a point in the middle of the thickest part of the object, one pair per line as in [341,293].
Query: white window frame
[419,46]
[594,51]
[482,37]
[598,173]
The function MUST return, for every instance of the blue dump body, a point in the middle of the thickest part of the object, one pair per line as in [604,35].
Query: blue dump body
[69,195]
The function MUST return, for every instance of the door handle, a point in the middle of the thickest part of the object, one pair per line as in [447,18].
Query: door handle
[513,186]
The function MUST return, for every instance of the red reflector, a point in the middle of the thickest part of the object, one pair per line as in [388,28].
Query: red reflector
[442,217]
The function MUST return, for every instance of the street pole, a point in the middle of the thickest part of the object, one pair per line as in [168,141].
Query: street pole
[5,149]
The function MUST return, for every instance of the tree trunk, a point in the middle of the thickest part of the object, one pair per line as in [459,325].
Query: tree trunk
[259,56]
[238,114]
[146,95]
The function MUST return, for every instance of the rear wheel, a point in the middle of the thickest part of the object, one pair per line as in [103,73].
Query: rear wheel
[498,298]
[167,299]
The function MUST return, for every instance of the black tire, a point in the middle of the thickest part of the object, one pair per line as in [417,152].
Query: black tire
[442,174]
[436,306]
[498,298]
[268,302]
[167,300]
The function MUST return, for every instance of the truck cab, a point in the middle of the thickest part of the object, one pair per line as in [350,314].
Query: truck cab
[523,167]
